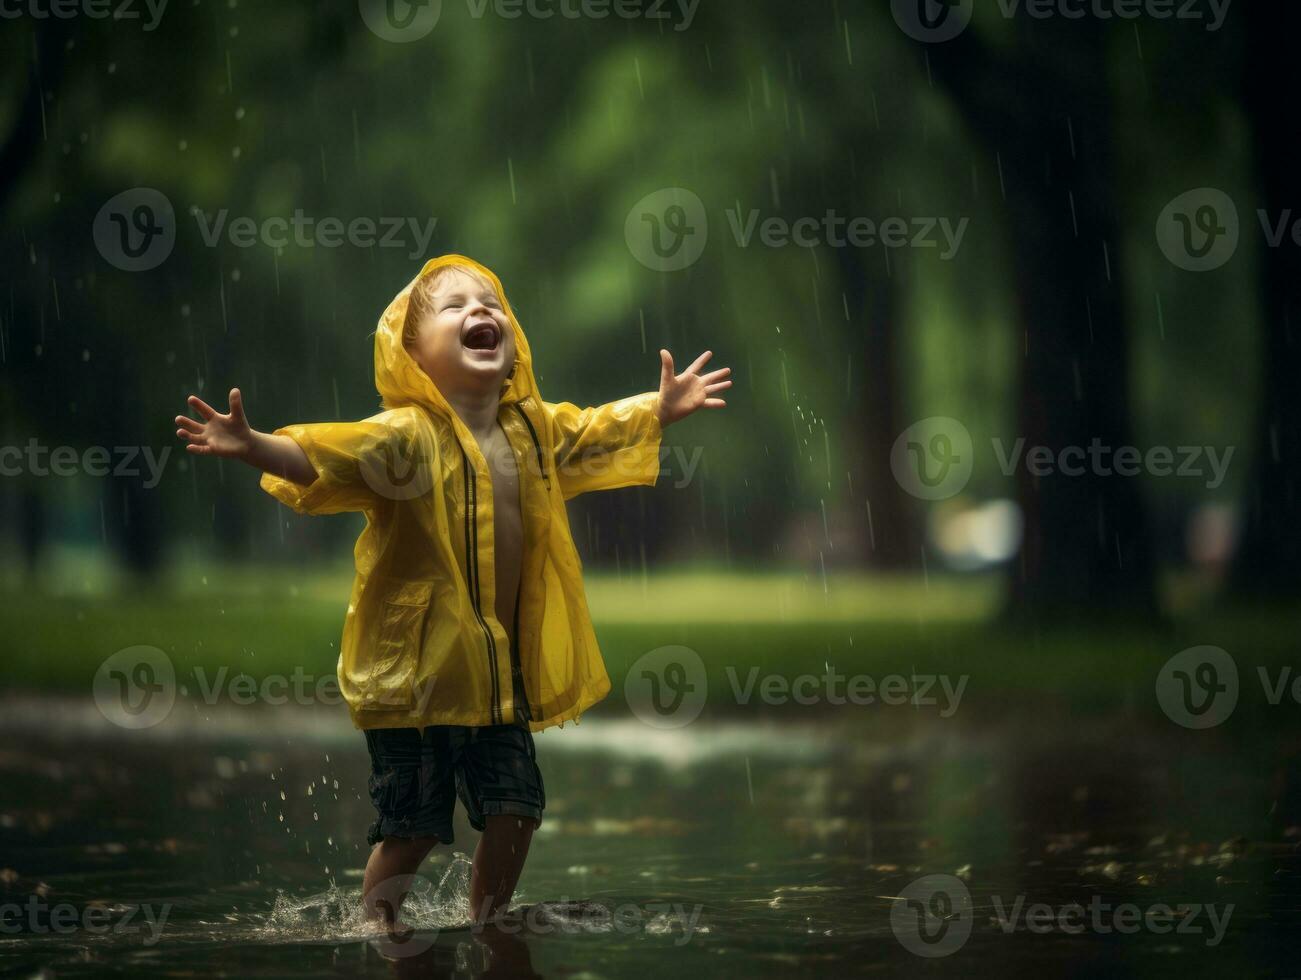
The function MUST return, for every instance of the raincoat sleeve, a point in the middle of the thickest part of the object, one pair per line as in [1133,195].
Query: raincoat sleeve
[358,466]
[613,445]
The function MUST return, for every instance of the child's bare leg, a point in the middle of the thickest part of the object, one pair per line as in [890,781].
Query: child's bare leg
[498,861]
[389,859]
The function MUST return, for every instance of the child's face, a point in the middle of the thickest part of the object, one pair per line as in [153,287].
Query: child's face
[464,342]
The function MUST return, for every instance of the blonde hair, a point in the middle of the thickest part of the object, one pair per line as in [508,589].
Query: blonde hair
[421,301]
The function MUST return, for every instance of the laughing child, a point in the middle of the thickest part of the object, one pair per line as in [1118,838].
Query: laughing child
[468,627]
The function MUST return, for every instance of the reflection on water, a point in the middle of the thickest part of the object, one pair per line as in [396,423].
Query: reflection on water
[235,844]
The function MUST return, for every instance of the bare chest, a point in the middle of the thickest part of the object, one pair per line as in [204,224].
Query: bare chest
[508,529]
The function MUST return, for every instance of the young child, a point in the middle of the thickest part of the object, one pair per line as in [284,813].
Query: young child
[466,571]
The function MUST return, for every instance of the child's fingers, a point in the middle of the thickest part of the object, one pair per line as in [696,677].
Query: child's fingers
[699,361]
[666,364]
[198,450]
[236,404]
[715,403]
[189,424]
[717,386]
[202,407]
[715,375]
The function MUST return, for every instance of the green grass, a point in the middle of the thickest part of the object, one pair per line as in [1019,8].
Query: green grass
[272,621]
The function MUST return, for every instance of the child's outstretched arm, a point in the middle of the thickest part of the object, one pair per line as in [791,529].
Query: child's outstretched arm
[231,436]
[618,444]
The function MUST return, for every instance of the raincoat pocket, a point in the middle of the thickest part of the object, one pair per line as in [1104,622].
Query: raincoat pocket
[397,644]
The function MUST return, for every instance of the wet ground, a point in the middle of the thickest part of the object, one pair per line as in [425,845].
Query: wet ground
[1031,844]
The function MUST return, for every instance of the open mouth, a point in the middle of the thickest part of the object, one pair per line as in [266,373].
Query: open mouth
[483,336]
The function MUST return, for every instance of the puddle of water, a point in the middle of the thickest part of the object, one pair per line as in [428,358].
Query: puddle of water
[732,848]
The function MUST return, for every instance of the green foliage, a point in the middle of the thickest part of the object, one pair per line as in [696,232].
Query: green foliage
[529,141]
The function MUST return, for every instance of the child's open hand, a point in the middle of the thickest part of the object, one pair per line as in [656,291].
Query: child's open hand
[682,394]
[217,434]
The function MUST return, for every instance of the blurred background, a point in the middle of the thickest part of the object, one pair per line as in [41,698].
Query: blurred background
[957,255]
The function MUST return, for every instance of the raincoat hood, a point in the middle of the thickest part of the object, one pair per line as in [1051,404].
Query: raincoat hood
[422,640]
[401,381]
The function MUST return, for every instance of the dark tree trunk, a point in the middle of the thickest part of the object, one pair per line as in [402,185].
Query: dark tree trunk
[26,138]
[1047,116]
[891,518]
[1268,563]
[32,529]
[23,143]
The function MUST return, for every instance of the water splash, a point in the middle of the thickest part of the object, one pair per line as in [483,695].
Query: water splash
[337,915]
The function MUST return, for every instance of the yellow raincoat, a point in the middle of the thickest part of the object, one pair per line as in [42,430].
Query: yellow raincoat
[421,641]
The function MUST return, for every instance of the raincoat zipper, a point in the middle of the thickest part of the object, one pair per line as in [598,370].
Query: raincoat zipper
[472,579]
[518,661]
[537,446]
[472,559]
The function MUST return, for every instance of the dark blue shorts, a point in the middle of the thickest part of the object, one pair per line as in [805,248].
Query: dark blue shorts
[416,777]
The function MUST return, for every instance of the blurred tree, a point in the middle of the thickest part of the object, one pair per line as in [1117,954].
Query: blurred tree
[1041,104]
[895,534]
[1268,562]
[44,49]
